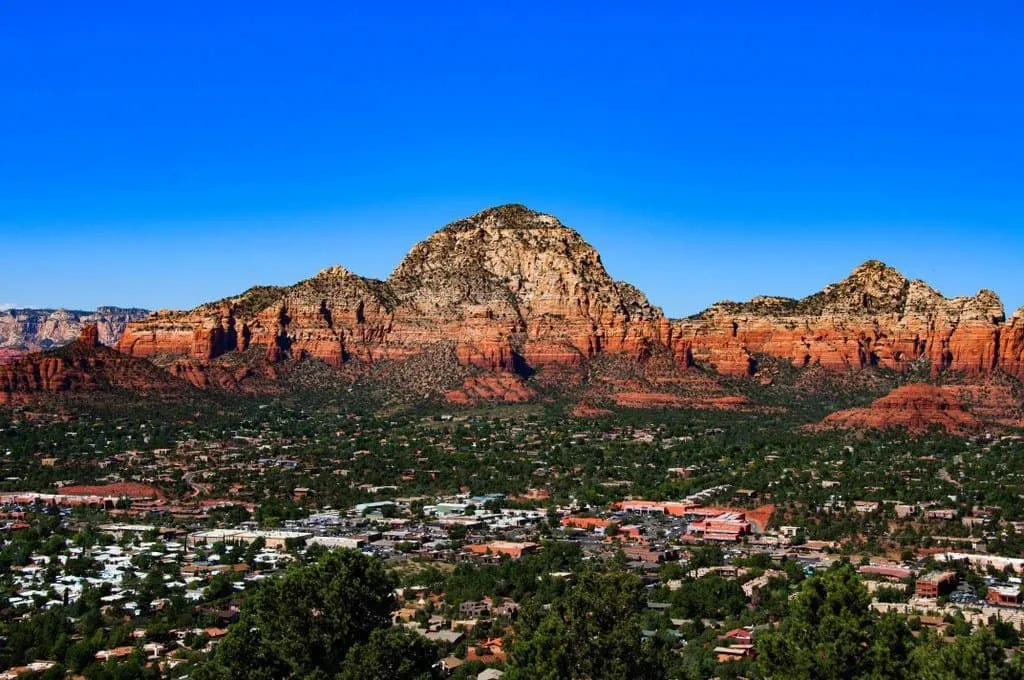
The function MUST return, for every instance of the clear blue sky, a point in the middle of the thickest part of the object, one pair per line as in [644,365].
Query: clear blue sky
[166,154]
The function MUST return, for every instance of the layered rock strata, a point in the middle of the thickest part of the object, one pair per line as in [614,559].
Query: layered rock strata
[515,291]
[875,317]
[84,365]
[917,407]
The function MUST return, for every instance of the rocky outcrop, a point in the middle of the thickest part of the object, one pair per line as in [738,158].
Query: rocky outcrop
[8,354]
[515,290]
[505,387]
[510,291]
[921,407]
[30,330]
[586,410]
[82,366]
[1011,345]
[518,285]
[509,303]
[915,407]
[875,317]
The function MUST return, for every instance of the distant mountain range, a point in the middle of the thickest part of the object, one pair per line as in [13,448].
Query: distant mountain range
[31,330]
[509,301]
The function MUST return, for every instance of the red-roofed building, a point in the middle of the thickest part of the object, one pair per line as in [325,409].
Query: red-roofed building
[590,523]
[740,636]
[513,550]
[728,526]
[935,584]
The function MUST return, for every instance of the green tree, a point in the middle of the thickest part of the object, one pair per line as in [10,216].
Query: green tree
[306,621]
[593,631]
[219,587]
[828,633]
[891,648]
[978,656]
[394,653]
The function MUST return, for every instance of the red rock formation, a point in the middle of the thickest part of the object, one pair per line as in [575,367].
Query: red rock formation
[10,354]
[875,317]
[514,289]
[916,407]
[518,292]
[83,366]
[208,374]
[648,400]
[586,410]
[487,388]
[1011,345]
[90,338]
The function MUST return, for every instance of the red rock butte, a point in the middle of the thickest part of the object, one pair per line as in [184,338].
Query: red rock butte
[518,291]
[515,291]
[82,366]
[914,407]
[958,409]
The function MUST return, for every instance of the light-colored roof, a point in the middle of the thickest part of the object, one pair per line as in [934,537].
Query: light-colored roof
[490,674]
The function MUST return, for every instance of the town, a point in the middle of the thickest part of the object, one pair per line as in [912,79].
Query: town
[147,545]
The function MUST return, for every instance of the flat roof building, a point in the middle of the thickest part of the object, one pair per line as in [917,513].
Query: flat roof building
[935,584]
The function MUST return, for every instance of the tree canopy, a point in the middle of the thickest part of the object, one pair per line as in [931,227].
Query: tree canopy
[831,634]
[592,632]
[305,623]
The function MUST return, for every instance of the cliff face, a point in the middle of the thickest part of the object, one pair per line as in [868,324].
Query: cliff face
[514,289]
[1011,345]
[515,285]
[30,330]
[84,365]
[875,317]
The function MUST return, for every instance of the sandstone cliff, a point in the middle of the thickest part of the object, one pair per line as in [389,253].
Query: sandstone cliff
[82,366]
[875,317]
[514,289]
[510,290]
[1011,345]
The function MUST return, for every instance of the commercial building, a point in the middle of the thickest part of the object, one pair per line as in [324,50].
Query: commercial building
[935,584]
[508,548]
[273,539]
[1004,596]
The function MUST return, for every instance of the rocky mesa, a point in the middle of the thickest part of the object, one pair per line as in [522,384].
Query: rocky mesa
[875,317]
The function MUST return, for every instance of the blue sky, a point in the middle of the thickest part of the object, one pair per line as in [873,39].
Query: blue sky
[167,154]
